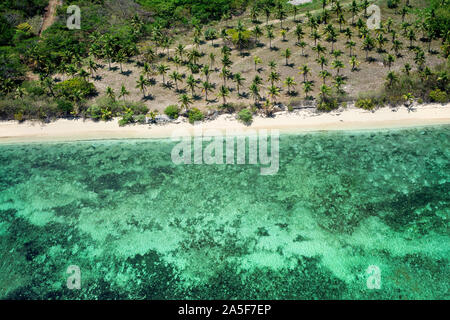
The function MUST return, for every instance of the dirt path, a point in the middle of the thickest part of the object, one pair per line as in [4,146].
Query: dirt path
[50,14]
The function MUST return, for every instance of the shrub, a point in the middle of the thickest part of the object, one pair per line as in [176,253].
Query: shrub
[127,118]
[172,111]
[69,87]
[195,115]
[438,96]
[328,105]
[245,116]
[366,104]
[65,106]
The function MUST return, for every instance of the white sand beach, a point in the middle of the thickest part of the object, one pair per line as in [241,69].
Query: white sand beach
[287,122]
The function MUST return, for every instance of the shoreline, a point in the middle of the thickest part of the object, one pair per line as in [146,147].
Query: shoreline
[299,121]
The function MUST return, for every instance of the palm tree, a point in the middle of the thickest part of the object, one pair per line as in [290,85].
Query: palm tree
[267,11]
[123,92]
[270,36]
[391,78]
[212,59]
[287,54]
[368,45]
[407,69]
[338,83]
[175,76]
[257,60]
[273,92]
[412,37]
[146,71]
[409,100]
[299,33]
[257,32]
[324,75]
[319,49]
[354,63]
[254,91]
[397,46]
[224,92]
[324,92]
[141,84]
[350,45]
[162,70]
[225,73]
[110,93]
[254,13]
[272,65]
[302,44]
[389,60]
[274,77]
[289,82]
[83,74]
[185,101]
[381,40]
[304,70]
[283,33]
[181,50]
[206,71]
[338,65]
[322,61]
[120,58]
[93,66]
[206,87]
[354,9]
[307,87]
[315,35]
[239,80]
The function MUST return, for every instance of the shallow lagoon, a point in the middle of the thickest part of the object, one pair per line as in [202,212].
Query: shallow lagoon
[140,227]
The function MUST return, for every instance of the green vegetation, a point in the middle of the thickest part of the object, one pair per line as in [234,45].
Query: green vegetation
[245,116]
[172,111]
[194,53]
[195,115]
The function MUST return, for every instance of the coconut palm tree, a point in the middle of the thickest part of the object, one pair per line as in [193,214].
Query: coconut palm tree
[315,35]
[120,58]
[92,66]
[254,91]
[283,33]
[350,45]
[338,83]
[270,36]
[110,93]
[412,37]
[319,49]
[354,9]
[180,50]
[224,92]
[409,100]
[191,82]
[354,63]
[176,76]
[322,61]
[338,65]
[146,71]
[256,60]
[324,74]
[273,92]
[257,33]
[289,83]
[368,45]
[274,77]
[206,71]
[239,80]
[302,44]
[324,91]
[307,87]
[304,70]
[225,74]
[391,79]
[185,101]
[287,54]
[407,69]
[123,92]
[299,32]
[212,59]
[206,87]
[141,84]
[162,70]
[397,45]
[389,60]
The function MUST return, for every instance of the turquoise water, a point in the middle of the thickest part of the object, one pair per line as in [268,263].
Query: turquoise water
[140,227]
